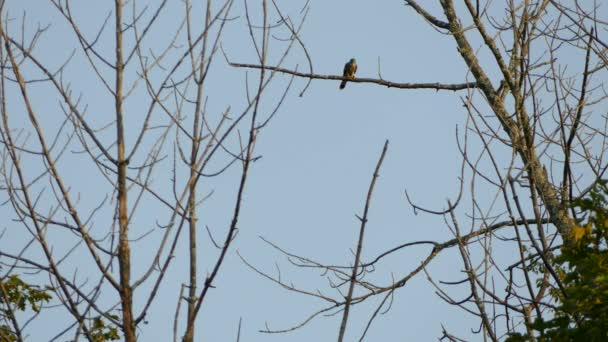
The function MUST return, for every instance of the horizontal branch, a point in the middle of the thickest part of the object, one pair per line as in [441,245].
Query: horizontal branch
[436,86]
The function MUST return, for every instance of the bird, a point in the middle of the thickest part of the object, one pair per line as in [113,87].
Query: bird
[350,69]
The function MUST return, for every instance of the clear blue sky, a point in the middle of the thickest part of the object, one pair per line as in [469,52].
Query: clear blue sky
[318,155]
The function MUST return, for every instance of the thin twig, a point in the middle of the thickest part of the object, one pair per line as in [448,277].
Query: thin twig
[349,297]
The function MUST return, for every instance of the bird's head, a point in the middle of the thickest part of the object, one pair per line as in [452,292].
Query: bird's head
[353,61]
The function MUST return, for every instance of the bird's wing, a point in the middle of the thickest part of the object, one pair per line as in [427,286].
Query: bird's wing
[345,72]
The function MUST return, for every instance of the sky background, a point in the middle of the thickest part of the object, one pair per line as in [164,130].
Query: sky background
[317,158]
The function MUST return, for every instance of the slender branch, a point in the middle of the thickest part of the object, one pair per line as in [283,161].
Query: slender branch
[472,280]
[389,84]
[353,277]
[427,16]
[567,178]
[124,249]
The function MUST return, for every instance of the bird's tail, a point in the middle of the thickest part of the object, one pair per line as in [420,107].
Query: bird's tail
[343,84]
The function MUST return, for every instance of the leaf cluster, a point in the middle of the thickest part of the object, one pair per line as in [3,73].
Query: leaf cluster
[102,332]
[582,310]
[18,295]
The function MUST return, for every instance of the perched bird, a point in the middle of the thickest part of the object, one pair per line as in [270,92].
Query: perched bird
[350,69]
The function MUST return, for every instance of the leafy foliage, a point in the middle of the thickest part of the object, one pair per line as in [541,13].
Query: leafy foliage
[19,295]
[102,332]
[582,310]
[22,296]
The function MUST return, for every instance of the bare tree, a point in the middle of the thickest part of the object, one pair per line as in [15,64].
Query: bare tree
[110,155]
[534,142]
